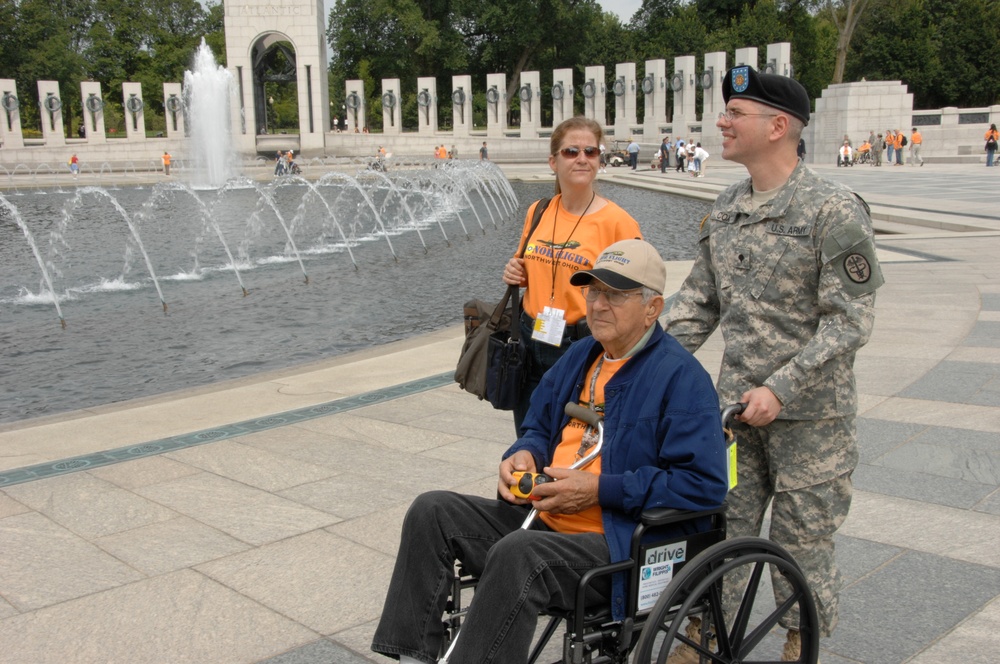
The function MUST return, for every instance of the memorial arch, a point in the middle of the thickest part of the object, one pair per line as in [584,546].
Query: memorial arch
[281,41]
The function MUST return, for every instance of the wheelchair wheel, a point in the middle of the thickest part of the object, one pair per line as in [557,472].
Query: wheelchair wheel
[754,633]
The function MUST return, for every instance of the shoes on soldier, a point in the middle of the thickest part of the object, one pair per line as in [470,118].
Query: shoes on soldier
[793,647]
[685,654]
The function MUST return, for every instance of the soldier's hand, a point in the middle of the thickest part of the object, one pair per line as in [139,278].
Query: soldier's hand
[762,407]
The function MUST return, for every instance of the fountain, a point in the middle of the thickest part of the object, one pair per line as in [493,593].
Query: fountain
[208,90]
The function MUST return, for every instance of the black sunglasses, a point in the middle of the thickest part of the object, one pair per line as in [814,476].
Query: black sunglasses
[572,152]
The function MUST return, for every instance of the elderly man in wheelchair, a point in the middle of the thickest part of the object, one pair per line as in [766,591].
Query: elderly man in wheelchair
[623,441]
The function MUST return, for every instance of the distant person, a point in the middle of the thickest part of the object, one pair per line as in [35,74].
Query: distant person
[279,163]
[664,154]
[604,159]
[454,153]
[166,162]
[992,136]
[700,157]
[81,131]
[890,145]
[801,150]
[844,156]
[877,146]
[633,154]
[681,155]
[575,228]
[74,165]
[916,142]
[484,154]
[898,143]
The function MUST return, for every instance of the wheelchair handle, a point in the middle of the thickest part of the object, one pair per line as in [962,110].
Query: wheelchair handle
[731,411]
[585,415]
[594,419]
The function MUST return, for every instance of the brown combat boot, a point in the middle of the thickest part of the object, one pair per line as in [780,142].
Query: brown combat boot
[793,647]
[685,654]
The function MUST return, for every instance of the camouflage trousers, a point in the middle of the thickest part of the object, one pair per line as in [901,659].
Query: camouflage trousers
[803,469]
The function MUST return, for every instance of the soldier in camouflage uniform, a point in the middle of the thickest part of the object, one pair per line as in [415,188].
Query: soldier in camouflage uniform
[786,266]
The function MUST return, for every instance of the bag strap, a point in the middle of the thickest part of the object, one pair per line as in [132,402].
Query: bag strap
[513,291]
[540,207]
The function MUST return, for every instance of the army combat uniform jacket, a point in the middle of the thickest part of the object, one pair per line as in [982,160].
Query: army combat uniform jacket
[792,285]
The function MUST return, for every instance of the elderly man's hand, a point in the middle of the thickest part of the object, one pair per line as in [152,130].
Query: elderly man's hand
[574,491]
[521,460]
[762,407]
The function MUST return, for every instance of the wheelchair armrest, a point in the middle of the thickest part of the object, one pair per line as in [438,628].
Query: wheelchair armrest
[665,516]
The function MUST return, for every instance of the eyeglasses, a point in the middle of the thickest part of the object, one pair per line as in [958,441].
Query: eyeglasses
[732,116]
[572,152]
[615,298]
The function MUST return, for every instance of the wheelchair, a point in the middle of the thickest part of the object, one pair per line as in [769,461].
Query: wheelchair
[672,579]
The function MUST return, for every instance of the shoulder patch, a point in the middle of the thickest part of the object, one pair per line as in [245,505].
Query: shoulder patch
[850,252]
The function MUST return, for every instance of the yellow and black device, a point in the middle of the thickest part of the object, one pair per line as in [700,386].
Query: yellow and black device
[525,483]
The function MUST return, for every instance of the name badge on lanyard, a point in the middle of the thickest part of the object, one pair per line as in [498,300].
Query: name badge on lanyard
[549,326]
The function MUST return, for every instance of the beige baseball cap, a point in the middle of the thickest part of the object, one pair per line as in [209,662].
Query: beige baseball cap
[626,265]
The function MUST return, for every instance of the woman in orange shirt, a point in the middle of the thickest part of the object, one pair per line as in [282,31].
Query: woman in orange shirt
[897,143]
[575,227]
[992,136]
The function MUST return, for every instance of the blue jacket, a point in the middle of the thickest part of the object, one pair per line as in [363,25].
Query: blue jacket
[663,440]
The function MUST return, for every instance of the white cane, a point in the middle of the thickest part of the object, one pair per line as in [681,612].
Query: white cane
[587,416]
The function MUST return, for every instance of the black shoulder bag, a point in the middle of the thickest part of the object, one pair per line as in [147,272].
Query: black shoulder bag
[492,364]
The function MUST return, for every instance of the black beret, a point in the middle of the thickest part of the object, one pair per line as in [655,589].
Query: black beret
[779,92]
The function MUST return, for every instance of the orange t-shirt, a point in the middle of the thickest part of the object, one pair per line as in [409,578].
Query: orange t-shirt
[568,451]
[898,141]
[572,246]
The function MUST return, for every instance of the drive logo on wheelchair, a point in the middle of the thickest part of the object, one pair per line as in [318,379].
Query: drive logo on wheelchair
[658,571]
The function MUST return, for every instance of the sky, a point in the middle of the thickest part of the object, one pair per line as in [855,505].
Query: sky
[624,8]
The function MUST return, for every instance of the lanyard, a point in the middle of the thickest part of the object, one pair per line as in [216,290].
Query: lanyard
[555,223]
[590,433]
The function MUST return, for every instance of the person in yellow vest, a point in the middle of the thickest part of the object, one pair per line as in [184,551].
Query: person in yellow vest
[897,144]
[166,163]
[916,142]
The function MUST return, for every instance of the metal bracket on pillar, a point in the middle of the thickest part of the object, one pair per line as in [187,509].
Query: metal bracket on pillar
[95,105]
[173,104]
[458,98]
[133,104]
[706,78]
[52,104]
[389,101]
[353,102]
[525,95]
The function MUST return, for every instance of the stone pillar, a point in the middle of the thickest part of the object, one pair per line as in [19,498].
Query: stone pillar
[461,105]
[496,105]
[50,113]
[10,115]
[746,56]
[173,107]
[710,81]
[682,84]
[624,89]
[779,59]
[134,109]
[594,95]
[530,97]
[654,90]
[562,95]
[427,106]
[391,111]
[93,112]
[357,108]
